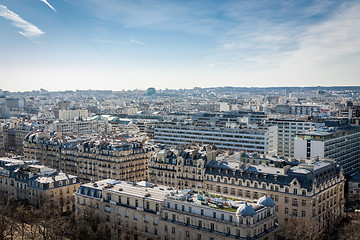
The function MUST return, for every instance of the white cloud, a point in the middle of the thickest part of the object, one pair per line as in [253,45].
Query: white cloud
[47,3]
[136,42]
[27,29]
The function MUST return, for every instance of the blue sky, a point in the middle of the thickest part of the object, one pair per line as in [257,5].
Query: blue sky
[114,44]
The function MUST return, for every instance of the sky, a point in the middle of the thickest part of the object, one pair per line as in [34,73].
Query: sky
[137,44]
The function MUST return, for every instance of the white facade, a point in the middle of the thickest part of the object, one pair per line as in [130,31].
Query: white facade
[79,127]
[65,115]
[287,130]
[261,139]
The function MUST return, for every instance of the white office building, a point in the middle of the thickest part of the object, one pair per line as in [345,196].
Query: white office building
[252,138]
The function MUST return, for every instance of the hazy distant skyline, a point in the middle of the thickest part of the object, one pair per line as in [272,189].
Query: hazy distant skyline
[113,44]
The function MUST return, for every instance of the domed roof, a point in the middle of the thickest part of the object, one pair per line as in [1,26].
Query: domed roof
[245,210]
[266,201]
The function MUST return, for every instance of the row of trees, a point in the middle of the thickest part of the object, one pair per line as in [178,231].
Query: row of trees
[20,221]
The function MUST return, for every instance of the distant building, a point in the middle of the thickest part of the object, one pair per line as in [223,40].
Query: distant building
[65,115]
[151,91]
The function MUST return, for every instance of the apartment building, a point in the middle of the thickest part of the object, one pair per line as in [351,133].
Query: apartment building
[90,158]
[147,211]
[252,138]
[287,130]
[37,184]
[180,168]
[2,140]
[341,144]
[311,190]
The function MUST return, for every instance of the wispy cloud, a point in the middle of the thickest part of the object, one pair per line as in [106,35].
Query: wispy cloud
[27,29]
[136,42]
[47,3]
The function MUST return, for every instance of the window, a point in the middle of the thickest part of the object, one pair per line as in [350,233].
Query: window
[303,214]
[127,213]
[303,202]
[135,216]
[174,217]
[190,210]
[222,216]
[286,200]
[214,214]
[276,198]
[155,221]
[294,211]
[188,221]
[173,229]
[146,219]
[230,218]
[136,203]
[199,223]
[187,234]
[286,210]
[294,202]
[202,211]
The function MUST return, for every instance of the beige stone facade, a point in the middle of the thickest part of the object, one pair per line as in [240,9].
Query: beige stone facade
[147,211]
[90,159]
[312,190]
[37,184]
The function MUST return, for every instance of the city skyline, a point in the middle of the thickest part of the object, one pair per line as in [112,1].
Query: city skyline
[61,45]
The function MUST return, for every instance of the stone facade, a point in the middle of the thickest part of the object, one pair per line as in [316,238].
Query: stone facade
[310,190]
[90,158]
[37,184]
[147,211]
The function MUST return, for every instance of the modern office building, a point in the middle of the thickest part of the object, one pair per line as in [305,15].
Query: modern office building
[252,138]
[340,144]
[147,211]
[287,130]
